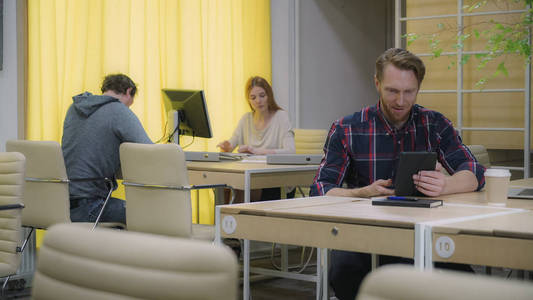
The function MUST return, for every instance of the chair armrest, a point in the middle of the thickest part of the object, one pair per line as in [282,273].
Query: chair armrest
[12,206]
[183,187]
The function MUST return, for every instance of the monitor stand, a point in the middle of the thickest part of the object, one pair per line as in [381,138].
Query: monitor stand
[176,117]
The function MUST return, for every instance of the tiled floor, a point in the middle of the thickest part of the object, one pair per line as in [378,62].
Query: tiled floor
[280,288]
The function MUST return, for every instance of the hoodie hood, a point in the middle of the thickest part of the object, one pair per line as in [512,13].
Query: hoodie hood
[86,104]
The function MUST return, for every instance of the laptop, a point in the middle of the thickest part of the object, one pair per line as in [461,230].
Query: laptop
[520,192]
[294,159]
[212,156]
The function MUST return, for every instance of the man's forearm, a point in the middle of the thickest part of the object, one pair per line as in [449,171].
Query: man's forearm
[342,192]
[461,182]
[377,188]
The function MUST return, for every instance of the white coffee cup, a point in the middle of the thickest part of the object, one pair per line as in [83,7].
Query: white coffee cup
[496,186]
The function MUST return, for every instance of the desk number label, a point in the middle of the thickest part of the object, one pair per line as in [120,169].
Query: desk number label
[229,224]
[444,246]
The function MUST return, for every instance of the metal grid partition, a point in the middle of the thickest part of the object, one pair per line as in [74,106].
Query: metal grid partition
[460,91]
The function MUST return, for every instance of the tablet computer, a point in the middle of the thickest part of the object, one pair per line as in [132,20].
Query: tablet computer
[410,164]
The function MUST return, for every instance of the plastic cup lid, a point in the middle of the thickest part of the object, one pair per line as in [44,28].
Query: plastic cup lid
[497,172]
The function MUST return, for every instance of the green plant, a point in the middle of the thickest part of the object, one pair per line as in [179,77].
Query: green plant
[499,39]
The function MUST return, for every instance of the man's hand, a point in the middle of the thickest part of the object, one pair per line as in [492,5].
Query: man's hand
[430,183]
[377,188]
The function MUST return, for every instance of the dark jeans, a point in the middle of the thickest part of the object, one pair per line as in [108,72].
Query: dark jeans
[348,269]
[266,195]
[275,194]
[86,210]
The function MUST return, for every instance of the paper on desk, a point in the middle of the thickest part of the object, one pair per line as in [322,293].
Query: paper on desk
[255,159]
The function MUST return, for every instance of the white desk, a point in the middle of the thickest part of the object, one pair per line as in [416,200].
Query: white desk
[339,223]
[247,176]
[503,239]
[500,241]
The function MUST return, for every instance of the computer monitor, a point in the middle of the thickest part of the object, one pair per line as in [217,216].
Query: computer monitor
[187,113]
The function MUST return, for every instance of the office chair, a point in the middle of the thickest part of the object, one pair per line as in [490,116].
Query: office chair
[480,153]
[75,263]
[46,195]
[11,191]
[158,191]
[405,282]
[309,141]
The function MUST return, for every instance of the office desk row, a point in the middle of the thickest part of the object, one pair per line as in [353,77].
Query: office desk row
[464,230]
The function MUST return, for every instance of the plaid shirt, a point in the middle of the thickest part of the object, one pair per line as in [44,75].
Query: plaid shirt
[364,147]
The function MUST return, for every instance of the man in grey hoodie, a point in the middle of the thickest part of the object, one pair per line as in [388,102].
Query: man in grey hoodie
[94,128]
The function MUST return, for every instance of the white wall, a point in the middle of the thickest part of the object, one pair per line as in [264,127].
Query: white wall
[11,77]
[283,67]
[323,54]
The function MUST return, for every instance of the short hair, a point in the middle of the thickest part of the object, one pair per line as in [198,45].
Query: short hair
[118,83]
[403,60]
[262,83]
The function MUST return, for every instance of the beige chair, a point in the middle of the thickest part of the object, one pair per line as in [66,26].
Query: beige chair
[405,282]
[75,263]
[46,195]
[481,154]
[158,191]
[309,141]
[11,191]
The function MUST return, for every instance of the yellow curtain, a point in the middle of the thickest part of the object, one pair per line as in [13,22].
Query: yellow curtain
[195,44]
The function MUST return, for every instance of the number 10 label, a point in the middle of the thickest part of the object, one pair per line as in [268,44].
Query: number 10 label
[444,246]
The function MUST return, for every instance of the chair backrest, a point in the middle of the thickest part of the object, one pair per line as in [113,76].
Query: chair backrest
[46,203]
[309,141]
[156,210]
[481,154]
[406,282]
[75,263]
[11,191]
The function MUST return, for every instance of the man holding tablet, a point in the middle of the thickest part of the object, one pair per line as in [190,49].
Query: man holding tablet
[362,151]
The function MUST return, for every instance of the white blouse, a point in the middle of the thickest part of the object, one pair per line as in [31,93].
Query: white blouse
[278,134]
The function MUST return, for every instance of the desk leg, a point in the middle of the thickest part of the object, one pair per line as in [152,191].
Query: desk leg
[284,248]
[428,247]
[419,246]
[247,186]
[246,275]
[374,261]
[197,192]
[219,200]
[218,239]
[318,273]
[322,273]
